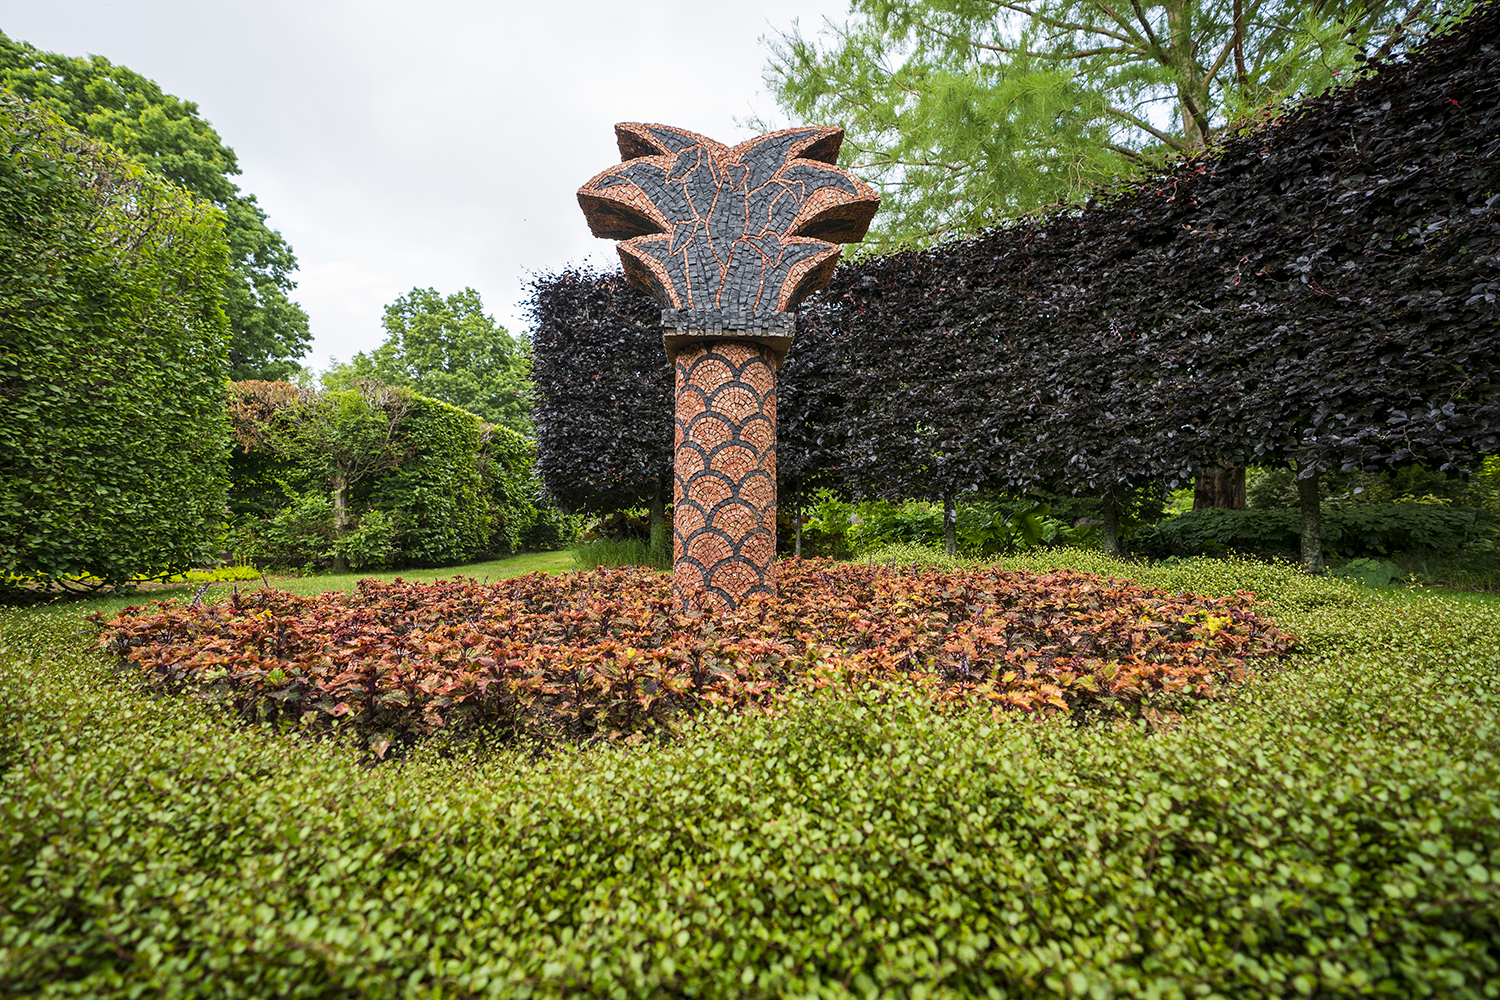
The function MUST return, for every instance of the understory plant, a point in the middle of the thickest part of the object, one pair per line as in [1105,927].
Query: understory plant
[611,654]
[1330,830]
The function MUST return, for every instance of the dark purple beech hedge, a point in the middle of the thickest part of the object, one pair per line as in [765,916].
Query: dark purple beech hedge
[603,407]
[1319,289]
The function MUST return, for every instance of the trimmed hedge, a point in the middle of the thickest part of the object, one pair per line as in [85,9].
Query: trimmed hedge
[603,410]
[523,519]
[437,491]
[1335,831]
[112,361]
[448,487]
[1320,289]
[1348,531]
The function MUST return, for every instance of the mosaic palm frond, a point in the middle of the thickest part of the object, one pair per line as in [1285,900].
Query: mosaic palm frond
[705,226]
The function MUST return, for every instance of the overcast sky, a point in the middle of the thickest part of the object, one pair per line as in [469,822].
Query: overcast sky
[439,144]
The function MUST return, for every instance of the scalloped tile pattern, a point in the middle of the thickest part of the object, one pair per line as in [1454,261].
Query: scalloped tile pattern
[724,471]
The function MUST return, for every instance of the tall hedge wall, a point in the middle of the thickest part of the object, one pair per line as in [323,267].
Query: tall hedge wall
[437,489]
[454,487]
[604,392]
[1319,289]
[113,436]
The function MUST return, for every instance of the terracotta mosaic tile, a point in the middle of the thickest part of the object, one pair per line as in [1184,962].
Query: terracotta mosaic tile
[710,430]
[728,241]
[691,401]
[688,461]
[749,228]
[724,475]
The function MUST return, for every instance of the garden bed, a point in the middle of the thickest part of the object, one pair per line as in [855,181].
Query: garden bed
[608,654]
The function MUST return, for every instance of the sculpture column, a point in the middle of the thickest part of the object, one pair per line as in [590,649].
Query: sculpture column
[728,240]
[724,455]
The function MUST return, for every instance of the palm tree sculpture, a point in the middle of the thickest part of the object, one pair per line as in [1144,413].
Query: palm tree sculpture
[728,241]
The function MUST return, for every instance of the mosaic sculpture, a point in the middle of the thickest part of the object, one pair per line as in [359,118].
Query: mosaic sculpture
[728,240]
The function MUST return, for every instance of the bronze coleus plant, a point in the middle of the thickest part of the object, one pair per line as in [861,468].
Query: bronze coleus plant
[609,655]
[752,227]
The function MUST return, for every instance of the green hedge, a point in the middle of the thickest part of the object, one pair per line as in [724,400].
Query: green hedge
[1334,832]
[1375,529]
[428,483]
[523,519]
[437,494]
[113,436]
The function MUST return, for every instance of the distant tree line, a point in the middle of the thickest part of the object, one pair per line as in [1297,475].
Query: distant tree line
[1318,292]
[447,347]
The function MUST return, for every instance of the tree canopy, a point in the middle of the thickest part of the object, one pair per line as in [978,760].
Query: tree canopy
[164,133]
[448,348]
[968,112]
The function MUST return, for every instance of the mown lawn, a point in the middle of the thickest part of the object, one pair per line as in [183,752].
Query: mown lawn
[1332,831]
[496,569]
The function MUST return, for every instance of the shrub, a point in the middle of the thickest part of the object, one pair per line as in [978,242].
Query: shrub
[112,360]
[437,493]
[1363,530]
[524,519]
[832,526]
[300,534]
[371,543]
[444,487]
[1330,831]
[1274,488]
[607,654]
[506,461]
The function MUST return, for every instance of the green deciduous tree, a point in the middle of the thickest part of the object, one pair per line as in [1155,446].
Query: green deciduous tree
[337,440]
[166,135]
[447,348]
[968,112]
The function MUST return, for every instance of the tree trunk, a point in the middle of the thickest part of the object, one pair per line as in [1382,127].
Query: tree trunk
[657,546]
[950,526]
[1192,89]
[1109,526]
[1223,488]
[1312,521]
[340,517]
[797,521]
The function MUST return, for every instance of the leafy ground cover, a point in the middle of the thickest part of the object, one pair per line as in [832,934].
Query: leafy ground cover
[1332,830]
[607,654]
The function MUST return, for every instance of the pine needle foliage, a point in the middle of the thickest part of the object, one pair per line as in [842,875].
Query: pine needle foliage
[971,112]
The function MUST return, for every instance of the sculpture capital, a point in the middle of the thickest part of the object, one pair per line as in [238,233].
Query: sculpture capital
[743,229]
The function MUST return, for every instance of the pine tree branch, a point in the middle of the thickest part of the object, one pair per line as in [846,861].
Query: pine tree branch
[1134,156]
[1384,51]
[1007,50]
[1236,44]
[1145,126]
[1053,22]
[1150,34]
